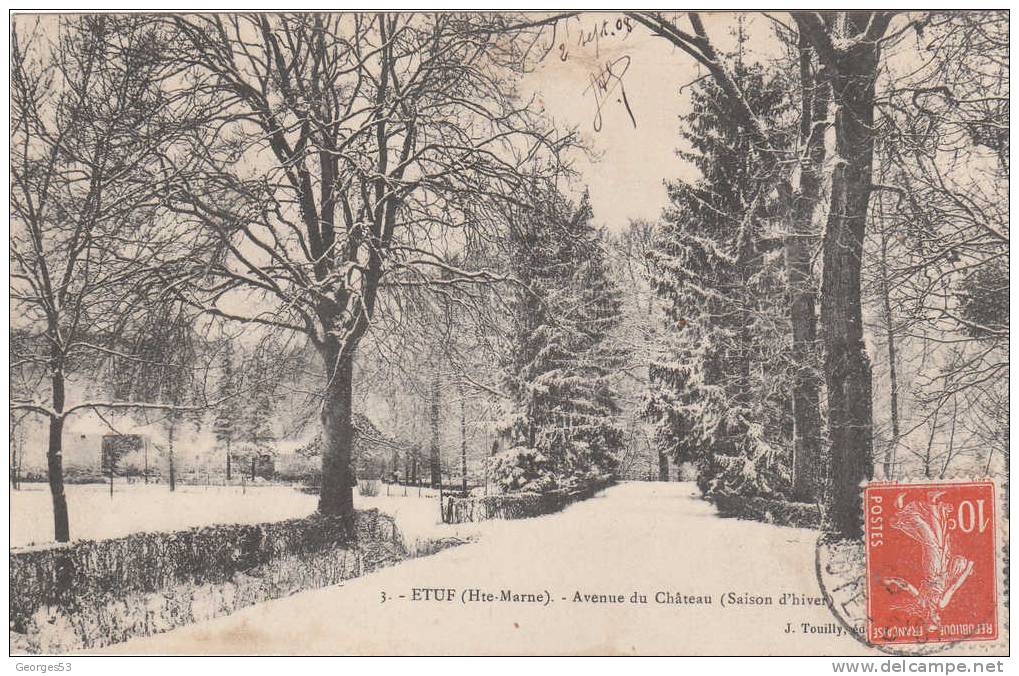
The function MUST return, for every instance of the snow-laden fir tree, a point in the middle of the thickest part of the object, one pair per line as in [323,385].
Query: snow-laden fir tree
[256,413]
[228,410]
[257,420]
[562,361]
[720,378]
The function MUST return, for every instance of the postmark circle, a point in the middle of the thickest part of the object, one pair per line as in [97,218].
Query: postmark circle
[840,568]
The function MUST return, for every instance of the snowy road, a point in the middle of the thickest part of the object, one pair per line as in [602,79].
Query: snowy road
[651,538]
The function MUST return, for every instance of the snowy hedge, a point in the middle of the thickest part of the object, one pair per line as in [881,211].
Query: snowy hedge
[92,593]
[781,512]
[519,505]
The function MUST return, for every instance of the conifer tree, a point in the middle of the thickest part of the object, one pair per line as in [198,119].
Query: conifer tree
[258,417]
[257,413]
[561,360]
[718,388]
[225,425]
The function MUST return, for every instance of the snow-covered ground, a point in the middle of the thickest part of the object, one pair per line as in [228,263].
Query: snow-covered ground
[648,538]
[417,518]
[133,508]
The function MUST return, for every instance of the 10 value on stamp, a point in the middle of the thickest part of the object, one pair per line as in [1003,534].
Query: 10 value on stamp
[931,562]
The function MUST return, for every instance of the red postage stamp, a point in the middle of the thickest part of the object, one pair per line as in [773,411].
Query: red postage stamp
[931,562]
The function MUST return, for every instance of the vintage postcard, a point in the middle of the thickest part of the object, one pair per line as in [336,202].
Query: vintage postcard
[509,333]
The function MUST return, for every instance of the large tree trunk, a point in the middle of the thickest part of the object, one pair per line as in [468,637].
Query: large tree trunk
[55,460]
[55,467]
[847,368]
[663,466]
[337,497]
[802,312]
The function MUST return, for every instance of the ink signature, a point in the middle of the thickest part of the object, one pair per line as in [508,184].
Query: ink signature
[608,83]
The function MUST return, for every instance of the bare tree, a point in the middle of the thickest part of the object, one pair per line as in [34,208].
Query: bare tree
[943,139]
[88,125]
[345,146]
[890,332]
[849,45]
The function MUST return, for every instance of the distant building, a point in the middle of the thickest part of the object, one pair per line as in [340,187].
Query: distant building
[372,455]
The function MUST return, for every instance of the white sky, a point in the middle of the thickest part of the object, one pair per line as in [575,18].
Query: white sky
[626,179]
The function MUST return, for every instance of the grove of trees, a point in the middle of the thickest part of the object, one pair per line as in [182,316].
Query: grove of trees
[236,214]
[831,179]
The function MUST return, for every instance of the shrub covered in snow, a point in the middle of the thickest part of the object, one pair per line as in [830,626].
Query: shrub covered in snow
[523,469]
[781,512]
[108,590]
[368,487]
[518,505]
